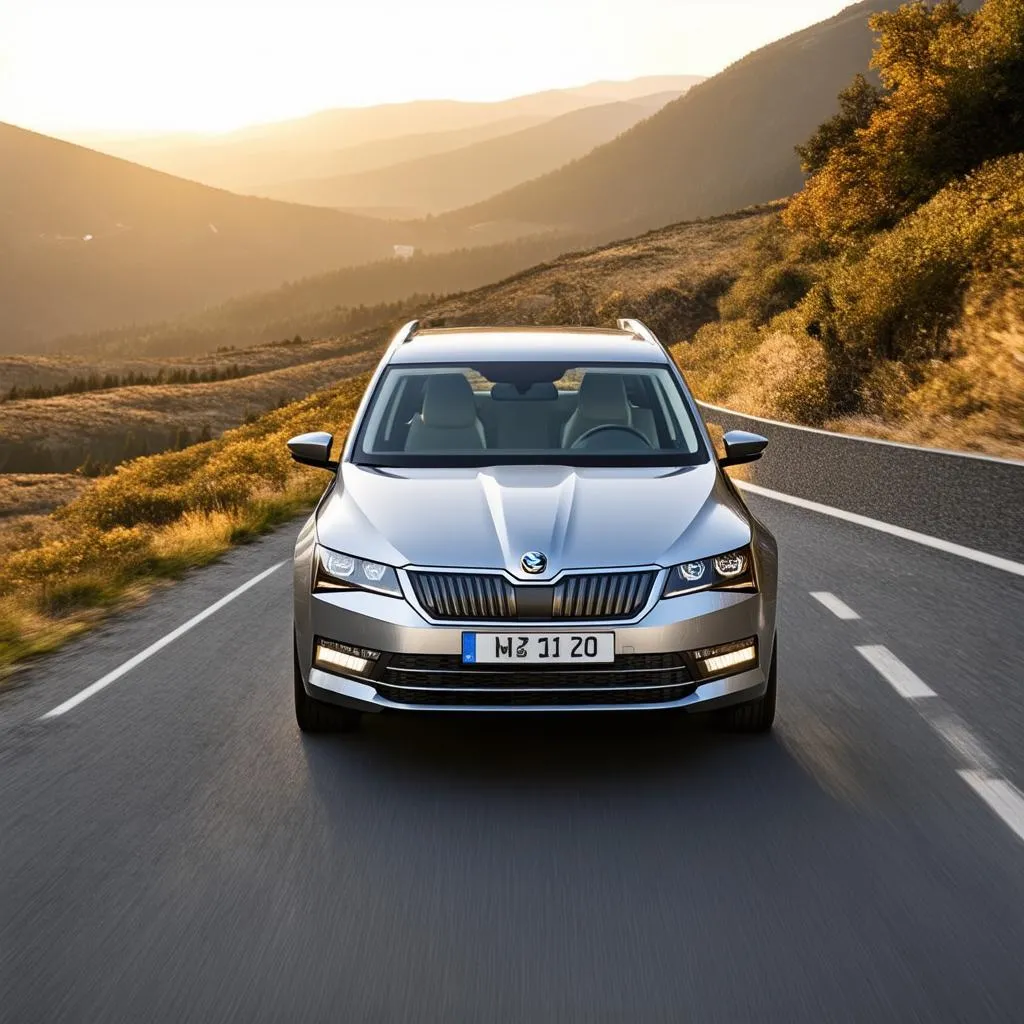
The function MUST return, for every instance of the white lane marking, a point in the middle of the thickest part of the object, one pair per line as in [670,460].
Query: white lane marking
[895,673]
[993,561]
[860,439]
[1001,796]
[840,609]
[981,772]
[958,737]
[160,644]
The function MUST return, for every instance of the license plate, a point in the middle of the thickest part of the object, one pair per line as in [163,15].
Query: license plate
[537,648]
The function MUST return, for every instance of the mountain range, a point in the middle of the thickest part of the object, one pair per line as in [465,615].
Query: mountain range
[447,180]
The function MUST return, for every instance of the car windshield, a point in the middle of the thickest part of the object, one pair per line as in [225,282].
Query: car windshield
[529,413]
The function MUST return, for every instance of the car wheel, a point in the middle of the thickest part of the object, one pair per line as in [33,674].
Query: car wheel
[317,716]
[757,715]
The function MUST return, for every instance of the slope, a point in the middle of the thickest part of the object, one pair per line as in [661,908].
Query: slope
[89,240]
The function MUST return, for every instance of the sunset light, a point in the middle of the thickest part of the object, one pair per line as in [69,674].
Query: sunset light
[213,65]
[511,511]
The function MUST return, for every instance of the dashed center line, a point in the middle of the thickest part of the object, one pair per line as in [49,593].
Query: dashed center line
[980,771]
[840,609]
[895,673]
[1001,796]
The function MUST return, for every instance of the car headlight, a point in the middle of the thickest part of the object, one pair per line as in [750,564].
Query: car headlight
[731,571]
[338,571]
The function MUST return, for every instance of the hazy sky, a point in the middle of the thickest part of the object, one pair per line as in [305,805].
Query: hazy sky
[68,65]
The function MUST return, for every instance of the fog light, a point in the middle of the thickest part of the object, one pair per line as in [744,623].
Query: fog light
[335,657]
[714,661]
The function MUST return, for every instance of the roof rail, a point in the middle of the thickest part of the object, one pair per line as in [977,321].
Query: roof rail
[403,335]
[407,332]
[641,330]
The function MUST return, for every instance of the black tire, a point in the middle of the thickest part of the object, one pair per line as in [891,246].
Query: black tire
[317,716]
[758,715]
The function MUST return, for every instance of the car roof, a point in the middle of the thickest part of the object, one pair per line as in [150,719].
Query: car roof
[528,344]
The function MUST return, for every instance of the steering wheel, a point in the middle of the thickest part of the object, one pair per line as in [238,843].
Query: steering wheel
[619,427]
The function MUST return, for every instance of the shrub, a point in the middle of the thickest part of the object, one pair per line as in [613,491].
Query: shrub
[901,298]
[954,93]
[776,277]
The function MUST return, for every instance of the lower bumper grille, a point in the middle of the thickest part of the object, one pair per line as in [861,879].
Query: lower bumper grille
[445,680]
[543,698]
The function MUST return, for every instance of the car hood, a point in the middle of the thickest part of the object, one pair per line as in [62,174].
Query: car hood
[488,518]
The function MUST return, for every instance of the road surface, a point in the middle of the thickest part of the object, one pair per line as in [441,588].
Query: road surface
[172,849]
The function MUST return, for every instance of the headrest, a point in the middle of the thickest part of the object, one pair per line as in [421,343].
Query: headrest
[603,398]
[448,401]
[541,391]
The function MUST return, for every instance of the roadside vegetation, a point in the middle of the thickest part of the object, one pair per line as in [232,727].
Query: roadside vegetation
[888,297]
[153,519]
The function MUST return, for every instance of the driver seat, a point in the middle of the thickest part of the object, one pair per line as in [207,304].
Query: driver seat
[602,402]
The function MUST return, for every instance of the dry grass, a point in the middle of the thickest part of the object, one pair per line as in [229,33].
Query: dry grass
[65,421]
[58,370]
[576,288]
[31,494]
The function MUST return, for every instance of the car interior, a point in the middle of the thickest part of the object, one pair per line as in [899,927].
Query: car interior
[601,410]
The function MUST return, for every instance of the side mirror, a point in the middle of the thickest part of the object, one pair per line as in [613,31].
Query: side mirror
[313,450]
[741,446]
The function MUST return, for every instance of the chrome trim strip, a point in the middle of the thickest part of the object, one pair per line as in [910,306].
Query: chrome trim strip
[534,689]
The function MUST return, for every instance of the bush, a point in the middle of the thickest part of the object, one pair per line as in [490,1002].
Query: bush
[776,277]
[901,298]
[954,90]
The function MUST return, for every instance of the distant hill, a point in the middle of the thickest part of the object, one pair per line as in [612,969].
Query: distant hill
[87,240]
[323,305]
[309,146]
[637,88]
[367,156]
[727,143]
[447,180]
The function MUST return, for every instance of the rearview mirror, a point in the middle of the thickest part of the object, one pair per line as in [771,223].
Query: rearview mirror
[313,450]
[741,446]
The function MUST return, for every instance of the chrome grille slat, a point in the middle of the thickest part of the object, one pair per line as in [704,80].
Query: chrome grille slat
[489,596]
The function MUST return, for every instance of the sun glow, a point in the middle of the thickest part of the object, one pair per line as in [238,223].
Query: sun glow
[212,65]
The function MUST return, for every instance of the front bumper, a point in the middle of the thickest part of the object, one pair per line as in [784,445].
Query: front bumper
[362,696]
[394,627]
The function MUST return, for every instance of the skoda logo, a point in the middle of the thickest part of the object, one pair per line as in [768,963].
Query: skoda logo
[534,562]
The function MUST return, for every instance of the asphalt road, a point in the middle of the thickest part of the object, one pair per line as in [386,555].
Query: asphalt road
[171,849]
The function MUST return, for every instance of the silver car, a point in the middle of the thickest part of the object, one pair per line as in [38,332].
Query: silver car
[532,520]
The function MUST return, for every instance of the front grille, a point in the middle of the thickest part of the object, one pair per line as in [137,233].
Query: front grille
[455,595]
[442,679]
[488,596]
[544,698]
[614,596]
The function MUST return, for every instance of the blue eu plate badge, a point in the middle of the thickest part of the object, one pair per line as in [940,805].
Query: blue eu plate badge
[469,648]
